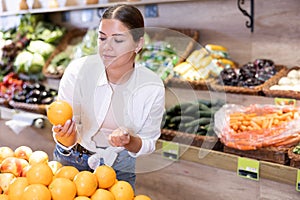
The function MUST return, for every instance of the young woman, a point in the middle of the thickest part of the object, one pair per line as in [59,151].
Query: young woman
[118,105]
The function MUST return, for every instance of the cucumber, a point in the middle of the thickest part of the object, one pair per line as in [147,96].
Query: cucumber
[199,122]
[191,109]
[205,102]
[191,129]
[184,105]
[172,126]
[174,111]
[203,107]
[181,119]
[202,132]
[205,113]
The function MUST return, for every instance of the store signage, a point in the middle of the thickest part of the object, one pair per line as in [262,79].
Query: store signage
[170,150]
[248,168]
[298,181]
[285,101]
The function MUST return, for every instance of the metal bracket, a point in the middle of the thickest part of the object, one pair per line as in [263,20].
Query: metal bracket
[249,24]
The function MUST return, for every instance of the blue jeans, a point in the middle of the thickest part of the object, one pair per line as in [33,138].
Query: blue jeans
[124,165]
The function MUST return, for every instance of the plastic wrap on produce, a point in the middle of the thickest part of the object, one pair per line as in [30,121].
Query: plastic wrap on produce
[256,126]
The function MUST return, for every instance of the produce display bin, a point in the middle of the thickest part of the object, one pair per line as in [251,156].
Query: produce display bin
[294,158]
[271,154]
[71,34]
[281,93]
[34,108]
[191,139]
[257,90]
[180,83]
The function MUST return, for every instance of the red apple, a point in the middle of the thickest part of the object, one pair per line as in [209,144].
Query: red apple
[38,157]
[5,180]
[54,165]
[5,152]
[23,152]
[12,165]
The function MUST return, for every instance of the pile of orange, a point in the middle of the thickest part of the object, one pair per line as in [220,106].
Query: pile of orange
[67,183]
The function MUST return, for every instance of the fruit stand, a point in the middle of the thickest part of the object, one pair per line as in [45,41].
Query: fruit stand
[196,177]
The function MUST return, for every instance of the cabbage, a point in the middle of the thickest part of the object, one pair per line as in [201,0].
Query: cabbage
[43,48]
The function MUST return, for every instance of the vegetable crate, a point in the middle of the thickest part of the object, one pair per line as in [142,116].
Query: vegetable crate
[295,158]
[192,139]
[271,154]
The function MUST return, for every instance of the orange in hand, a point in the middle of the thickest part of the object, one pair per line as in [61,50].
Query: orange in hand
[59,112]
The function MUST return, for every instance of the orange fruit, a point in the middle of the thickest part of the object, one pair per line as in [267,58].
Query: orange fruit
[122,190]
[82,198]
[62,188]
[16,188]
[106,176]
[36,191]
[39,173]
[59,112]
[86,183]
[4,197]
[68,172]
[142,197]
[102,194]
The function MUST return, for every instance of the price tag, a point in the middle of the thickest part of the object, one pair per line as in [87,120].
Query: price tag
[285,102]
[248,168]
[298,181]
[170,150]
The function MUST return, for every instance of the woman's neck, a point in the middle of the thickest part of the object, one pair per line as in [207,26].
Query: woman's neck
[119,75]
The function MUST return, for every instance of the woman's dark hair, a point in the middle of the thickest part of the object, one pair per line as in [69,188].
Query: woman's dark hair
[130,16]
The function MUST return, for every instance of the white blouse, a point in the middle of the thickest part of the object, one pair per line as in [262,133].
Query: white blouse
[138,104]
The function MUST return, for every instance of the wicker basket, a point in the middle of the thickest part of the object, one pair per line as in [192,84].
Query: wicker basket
[192,139]
[257,90]
[4,102]
[34,108]
[281,93]
[174,34]
[294,158]
[271,154]
[71,34]
[180,83]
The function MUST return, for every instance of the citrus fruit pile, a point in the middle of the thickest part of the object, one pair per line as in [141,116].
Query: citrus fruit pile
[28,175]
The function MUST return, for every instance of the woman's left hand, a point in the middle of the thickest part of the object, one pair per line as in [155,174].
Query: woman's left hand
[119,137]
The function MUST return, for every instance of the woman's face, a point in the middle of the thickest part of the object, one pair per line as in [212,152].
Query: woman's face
[116,45]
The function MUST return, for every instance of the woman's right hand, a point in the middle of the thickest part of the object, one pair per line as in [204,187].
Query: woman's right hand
[66,134]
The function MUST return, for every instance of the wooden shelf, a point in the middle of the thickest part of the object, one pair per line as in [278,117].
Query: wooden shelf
[83,7]
[272,171]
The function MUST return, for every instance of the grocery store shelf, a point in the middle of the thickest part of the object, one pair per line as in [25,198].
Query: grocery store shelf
[93,6]
[221,160]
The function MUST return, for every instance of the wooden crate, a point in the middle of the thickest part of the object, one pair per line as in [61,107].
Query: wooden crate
[295,158]
[271,154]
[208,142]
